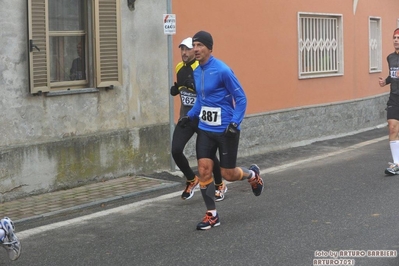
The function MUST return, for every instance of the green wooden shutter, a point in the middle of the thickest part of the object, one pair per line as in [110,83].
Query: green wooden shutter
[39,75]
[108,43]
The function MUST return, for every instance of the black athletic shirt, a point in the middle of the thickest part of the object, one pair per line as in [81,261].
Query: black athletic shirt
[185,83]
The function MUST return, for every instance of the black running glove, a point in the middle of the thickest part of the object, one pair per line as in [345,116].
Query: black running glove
[183,121]
[174,90]
[231,131]
[189,83]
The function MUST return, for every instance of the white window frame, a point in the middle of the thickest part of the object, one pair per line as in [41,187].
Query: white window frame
[320,36]
[375,45]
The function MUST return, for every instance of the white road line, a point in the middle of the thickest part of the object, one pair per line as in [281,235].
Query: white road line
[130,207]
[137,205]
[312,159]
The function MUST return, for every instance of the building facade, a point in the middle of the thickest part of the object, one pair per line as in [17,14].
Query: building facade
[84,92]
[309,68]
[85,83]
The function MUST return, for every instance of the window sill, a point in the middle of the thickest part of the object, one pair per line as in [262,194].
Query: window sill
[69,92]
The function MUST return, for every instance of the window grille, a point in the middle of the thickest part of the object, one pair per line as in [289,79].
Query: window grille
[375,60]
[319,45]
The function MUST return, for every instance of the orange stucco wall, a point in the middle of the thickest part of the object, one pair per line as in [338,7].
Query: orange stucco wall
[258,40]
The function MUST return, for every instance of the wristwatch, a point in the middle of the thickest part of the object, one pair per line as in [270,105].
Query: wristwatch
[234,125]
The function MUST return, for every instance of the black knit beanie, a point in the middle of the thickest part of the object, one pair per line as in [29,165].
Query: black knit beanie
[204,38]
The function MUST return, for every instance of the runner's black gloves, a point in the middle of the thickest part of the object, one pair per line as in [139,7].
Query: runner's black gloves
[189,83]
[231,130]
[174,90]
[183,121]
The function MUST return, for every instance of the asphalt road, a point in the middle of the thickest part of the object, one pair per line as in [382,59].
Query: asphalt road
[312,207]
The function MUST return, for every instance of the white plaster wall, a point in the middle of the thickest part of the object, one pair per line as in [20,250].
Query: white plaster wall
[141,101]
[31,126]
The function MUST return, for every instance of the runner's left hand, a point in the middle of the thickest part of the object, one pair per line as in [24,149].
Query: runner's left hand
[231,131]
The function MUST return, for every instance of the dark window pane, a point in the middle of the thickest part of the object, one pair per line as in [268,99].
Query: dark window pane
[67,58]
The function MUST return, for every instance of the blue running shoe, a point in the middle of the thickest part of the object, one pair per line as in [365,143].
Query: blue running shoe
[256,181]
[209,221]
[188,193]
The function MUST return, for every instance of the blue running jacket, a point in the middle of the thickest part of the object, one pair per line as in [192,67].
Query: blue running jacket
[220,97]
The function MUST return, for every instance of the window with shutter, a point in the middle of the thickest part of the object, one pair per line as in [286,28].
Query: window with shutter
[108,58]
[38,43]
[73,45]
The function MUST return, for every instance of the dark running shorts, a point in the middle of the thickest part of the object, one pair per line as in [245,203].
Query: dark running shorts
[209,142]
[393,107]
[393,112]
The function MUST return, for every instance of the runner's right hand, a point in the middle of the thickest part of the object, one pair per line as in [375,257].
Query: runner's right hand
[174,90]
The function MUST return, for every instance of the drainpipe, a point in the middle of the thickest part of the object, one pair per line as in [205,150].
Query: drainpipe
[170,82]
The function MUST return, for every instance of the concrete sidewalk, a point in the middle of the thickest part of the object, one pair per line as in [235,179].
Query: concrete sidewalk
[49,204]
[54,203]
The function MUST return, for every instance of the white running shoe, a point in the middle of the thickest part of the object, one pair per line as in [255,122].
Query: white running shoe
[10,242]
[220,191]
[393,169]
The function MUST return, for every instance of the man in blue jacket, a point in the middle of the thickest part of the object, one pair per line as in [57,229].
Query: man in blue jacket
[184,88]
[220,107]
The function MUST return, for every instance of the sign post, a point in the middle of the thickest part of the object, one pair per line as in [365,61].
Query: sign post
[169,29]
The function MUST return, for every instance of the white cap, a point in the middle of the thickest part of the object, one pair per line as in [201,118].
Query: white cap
[187,42]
